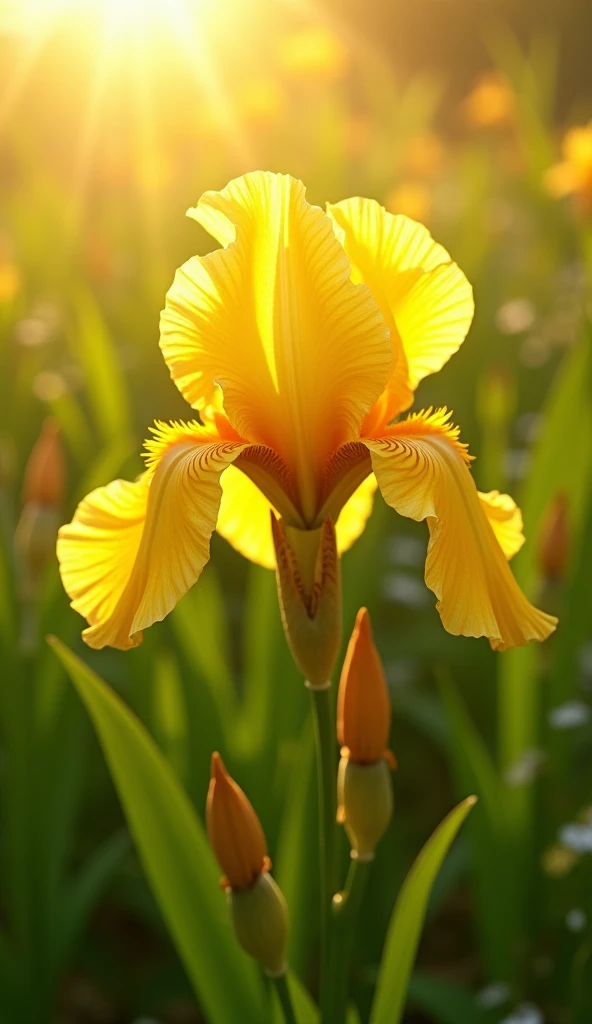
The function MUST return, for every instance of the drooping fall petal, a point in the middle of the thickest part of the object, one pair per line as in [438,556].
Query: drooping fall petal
[234,830]
[134,549]
[422,472]
[244,518]
[273,321]
[425,299]
[363,706]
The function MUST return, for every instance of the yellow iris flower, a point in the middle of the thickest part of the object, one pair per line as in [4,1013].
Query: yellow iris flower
[573,175]
[299,342]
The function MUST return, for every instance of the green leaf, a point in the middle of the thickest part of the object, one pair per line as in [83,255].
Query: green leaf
[83,893]
[169,713]
[107,465]
[305,1009]
[567,415]
[174,851]
[447,1002]
[94,347]
[476,773]
[295,860]
[200,624]
[407,919]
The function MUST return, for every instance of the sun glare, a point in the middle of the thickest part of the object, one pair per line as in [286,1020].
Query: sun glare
[33,16]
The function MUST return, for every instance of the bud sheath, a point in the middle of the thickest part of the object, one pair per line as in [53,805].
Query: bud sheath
[260,919]
[309,590]
[365,799]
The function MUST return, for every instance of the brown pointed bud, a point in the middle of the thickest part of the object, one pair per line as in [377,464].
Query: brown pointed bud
[363,705]
[257,906]
[309,589]
[364,785]
[45,472]
[43,490]
[234,830]
[554,542]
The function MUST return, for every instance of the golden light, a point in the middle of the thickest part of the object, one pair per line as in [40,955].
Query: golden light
[32,17]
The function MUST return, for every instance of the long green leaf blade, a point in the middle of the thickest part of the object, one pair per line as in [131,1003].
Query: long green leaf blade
[174,851]
[407,919]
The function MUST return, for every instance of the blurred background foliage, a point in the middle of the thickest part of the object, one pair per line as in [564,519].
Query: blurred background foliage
[114,118]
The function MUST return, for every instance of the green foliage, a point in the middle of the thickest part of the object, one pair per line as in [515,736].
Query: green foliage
[95,231]
[407,918]
[174,851]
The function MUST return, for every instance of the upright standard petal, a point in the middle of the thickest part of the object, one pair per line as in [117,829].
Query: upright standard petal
[422,472]
[134,549]
[273,320]
[426,300]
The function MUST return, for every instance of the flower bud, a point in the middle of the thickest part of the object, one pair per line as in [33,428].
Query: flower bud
[234,830]
[43,490]
[363,705]
[364,787]
[553,549]
[45,472]
[260,919]
[258,909]
[365,801]
[309,589]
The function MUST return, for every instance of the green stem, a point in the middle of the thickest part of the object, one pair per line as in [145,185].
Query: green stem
[327,785]
[346,909]
[281,985]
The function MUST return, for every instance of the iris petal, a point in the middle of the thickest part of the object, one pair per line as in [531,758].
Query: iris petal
[134,549]
[422,471]
[425,299]
[299,351]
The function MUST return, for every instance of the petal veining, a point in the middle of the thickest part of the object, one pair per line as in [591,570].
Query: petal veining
[299,351]
[422,471]
[133,549]
[425,298]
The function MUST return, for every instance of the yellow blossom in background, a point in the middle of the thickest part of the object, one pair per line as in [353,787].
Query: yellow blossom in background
[491,102]
[300,342]
[313,53]
[10,275]
[10,281]
[412,199]
[424,156]
[573,174]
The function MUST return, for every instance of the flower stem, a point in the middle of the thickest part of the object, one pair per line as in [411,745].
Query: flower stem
[346,908]
[281,986]
[327,785]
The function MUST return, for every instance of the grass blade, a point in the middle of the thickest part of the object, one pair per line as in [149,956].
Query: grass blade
[407,919]
[174,851]
[475,772]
